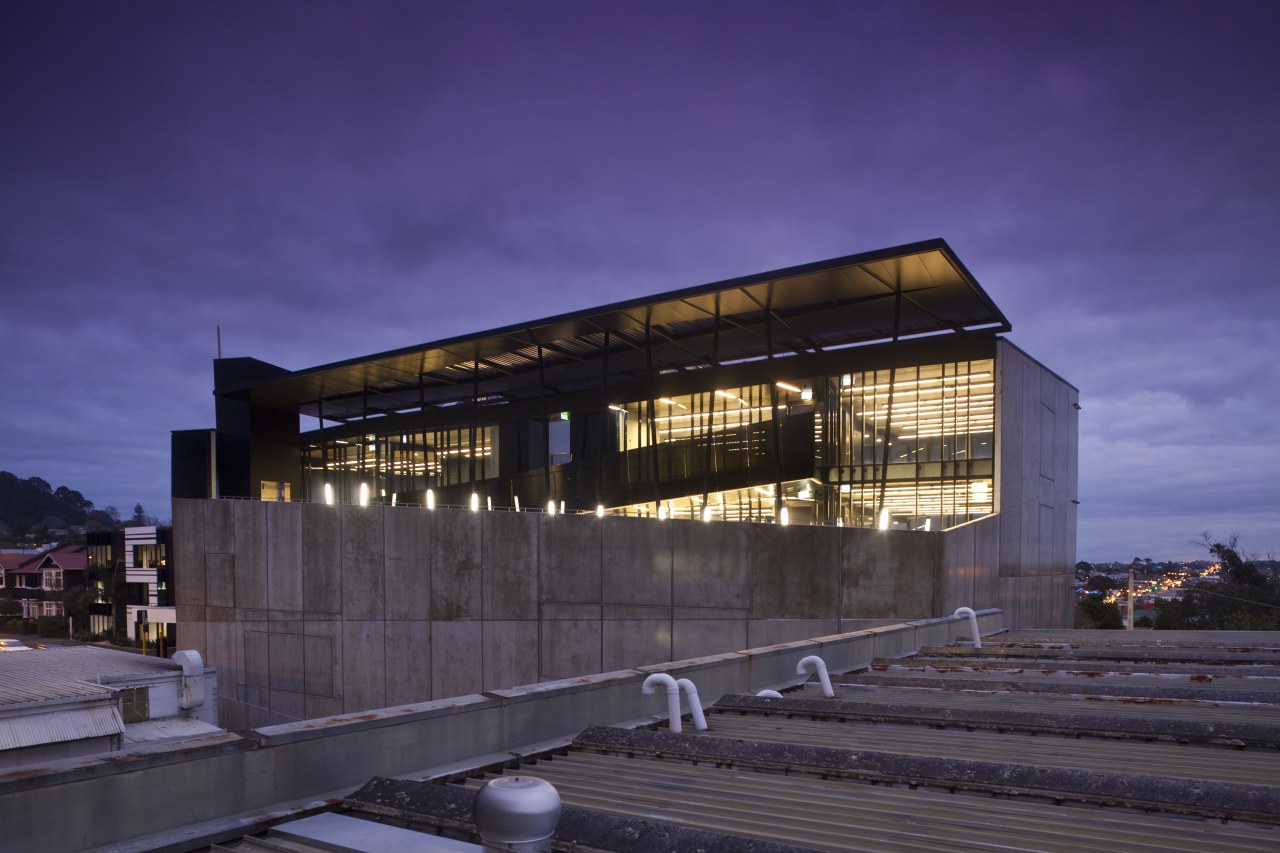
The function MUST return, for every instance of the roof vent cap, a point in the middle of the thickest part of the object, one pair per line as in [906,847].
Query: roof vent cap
[517,814]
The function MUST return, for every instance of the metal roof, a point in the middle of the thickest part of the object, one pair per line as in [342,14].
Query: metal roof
[57,726]
[910,290]
[1070,741]
[65,672]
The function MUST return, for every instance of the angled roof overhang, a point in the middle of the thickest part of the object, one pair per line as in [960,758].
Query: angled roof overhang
[905,291]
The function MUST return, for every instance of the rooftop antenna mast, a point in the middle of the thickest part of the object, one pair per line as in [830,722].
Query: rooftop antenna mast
[219,328]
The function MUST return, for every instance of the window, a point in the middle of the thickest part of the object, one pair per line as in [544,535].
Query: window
[52,608]
[271,490]
[53,579]
[136,704]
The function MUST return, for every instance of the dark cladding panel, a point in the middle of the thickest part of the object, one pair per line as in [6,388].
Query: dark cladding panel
[254,443]
[191,469]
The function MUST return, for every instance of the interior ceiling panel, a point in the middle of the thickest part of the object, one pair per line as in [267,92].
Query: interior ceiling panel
[843,301]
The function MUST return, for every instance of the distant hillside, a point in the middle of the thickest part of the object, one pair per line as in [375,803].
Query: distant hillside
[25,504]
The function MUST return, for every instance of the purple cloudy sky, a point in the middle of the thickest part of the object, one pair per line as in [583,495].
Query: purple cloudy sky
[330,179]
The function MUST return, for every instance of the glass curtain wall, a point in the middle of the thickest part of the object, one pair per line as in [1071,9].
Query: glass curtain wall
[907,448]
[707,434]
[399,463]
[910,448]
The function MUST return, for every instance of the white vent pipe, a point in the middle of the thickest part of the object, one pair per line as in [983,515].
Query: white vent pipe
[695,705]
[973,624]
[191,693]
[820,665]
[673,697]
[769,694]
[517,814]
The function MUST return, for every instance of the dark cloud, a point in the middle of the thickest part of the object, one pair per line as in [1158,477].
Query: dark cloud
[327,179]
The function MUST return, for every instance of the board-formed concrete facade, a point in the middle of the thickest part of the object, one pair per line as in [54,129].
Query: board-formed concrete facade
[311,610]
[756,461]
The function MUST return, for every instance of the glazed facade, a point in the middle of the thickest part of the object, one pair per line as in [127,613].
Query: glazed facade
[863,391]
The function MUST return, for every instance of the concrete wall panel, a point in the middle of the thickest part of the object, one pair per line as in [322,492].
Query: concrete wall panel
[510,573]
[510,653]
[287,707]
[1011,543]
[795,572]
[224,643]
[711,564]
[188,553]
[457,664]
[321,706]
[220,579]
[408,661]
[569,559]
[457,555]
[318,662]
[321,560]
[888,574]
[407,575]
[631,643]
[257,659]
[986,581]
[284,553]
[251,553]
[287,662]
[219,527]
[569,647]
[691,638]
[958,568]
[363,562]
[638,570]
[364,682]
[771,632]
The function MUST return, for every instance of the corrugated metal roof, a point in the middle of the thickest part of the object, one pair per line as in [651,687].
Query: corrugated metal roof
[1029,744]
[60,726]
[64,672]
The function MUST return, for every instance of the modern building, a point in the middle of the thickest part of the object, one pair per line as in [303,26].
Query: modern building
[861,441]
[861,391]
[145,608]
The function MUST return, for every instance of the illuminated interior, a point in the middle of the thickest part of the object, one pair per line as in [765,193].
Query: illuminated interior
[856,391]
[934,472]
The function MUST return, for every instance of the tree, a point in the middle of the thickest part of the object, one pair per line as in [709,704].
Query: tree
[139,515]
[1094,612]
[1099,583]
[24,504]
[1235,568]
[1244,600]
[10,607]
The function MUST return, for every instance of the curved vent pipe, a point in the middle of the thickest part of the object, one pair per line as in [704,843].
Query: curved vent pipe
[973,624]
[820,666]
[695,705]
[673,697]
